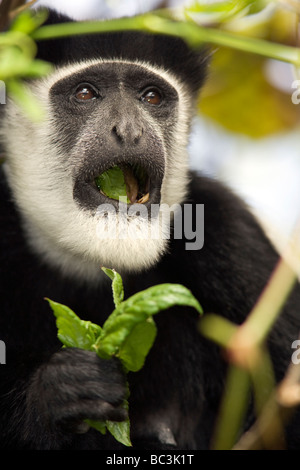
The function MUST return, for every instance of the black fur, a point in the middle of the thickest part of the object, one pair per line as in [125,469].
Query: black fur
[182,380]
[168,52]
[46,392]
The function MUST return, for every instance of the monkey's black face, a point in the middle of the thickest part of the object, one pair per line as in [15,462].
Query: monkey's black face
[114,130]
[115,115]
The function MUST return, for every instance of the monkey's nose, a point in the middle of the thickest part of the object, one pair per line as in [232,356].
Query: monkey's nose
[127,132]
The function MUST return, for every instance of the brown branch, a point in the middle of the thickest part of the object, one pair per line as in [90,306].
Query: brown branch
[9,9]
[5,8]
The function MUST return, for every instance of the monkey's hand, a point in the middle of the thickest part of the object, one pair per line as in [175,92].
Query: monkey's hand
[75,385]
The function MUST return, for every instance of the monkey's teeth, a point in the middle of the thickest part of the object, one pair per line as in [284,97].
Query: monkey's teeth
[134,177]
[143,199]
[132,186]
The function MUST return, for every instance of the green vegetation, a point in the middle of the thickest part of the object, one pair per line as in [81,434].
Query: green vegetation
[128,333]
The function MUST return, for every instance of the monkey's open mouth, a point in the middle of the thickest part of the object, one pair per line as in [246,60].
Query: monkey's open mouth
[118,182]
[127,181]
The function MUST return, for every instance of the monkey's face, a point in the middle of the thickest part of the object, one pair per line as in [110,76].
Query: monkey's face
[95,177]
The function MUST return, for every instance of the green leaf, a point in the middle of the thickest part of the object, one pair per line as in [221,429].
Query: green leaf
[14,63]
[117,285]
[137,345]
[26,100]
[128,333]
[135,310]
[121,431]
[218,11]
[112,183]
[77,333]
[72,331]
[245,88]
[112,338]
[29,21]
[154,299]
[99,425]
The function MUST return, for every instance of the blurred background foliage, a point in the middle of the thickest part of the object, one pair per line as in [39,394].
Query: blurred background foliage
[241,94]
[240,97]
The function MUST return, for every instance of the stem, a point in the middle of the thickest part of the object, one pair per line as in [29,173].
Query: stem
[86,27]
[267,431]
[265,313]
[217,329]
[192,33]
[233,409]
[256,46]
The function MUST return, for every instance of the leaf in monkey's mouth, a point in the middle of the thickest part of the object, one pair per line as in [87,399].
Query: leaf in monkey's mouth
[125,180]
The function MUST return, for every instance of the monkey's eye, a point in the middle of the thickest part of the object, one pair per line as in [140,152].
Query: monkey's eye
[85,92]
[152,96]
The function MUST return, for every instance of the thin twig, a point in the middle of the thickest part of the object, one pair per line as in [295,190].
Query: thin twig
[285,399]
[9,9]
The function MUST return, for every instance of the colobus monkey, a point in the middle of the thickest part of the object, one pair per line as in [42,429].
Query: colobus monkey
[122,100]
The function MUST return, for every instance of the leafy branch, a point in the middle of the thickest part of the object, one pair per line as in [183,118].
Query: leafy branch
[18,48]
[17,59]
[245,348]
[128,333]
[277,412]
[194,34]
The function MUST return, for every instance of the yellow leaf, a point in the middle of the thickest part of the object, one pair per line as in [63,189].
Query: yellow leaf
[239,97]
